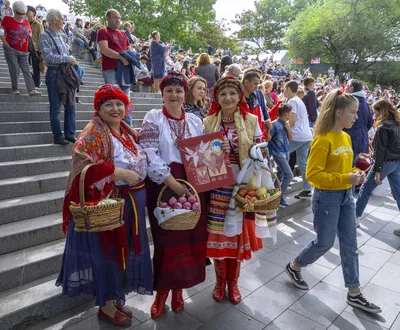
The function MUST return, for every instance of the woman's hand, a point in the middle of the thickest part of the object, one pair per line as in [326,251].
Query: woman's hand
[131,177]
[378,178]
[176,187]
[356,178]
[181,190]
[226,146]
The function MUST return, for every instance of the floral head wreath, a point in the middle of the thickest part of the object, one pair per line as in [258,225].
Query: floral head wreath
[228,81]
[109,92]
[178,78]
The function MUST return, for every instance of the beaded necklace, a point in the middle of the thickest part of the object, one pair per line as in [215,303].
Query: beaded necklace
[179,136]
[124,139]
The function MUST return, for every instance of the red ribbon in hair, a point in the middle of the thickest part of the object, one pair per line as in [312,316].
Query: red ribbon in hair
[179,79]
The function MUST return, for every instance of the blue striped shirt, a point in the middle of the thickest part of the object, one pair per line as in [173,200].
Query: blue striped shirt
[51,56]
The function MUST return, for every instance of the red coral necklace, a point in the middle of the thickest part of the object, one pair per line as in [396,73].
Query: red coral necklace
[182,117]
[125,139]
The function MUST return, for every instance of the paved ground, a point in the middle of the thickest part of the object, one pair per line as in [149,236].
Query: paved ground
[270,301]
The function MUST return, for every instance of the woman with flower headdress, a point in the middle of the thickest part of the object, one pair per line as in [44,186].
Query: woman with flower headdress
[179,256]
[108,264]
[229,113]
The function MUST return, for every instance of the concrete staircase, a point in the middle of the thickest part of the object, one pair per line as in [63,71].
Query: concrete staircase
[33,172]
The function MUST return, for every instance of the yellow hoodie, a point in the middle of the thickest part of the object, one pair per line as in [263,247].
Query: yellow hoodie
[330,161]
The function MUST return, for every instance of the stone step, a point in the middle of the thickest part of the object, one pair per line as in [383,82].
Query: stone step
[48,294]
[34,302]
[24,98]
[31,264]
[32,185]
[89,73]
[35,166]
[22,208]
[82,92]
[22,139]
[35,262]
[30,116]
[23,234]
[17,153]
[40,106]
[93,82]
[34,126]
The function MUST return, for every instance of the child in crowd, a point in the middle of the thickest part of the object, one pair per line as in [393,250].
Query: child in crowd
[330,171]
[279,138]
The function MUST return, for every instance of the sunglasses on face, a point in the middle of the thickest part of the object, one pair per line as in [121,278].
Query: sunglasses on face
[20,14]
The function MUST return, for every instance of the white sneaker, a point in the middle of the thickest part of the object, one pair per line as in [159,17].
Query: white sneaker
[358,222]
[16,92]
[35,93]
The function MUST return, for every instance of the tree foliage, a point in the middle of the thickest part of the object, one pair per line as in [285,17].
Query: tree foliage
[266,26]
[355,32]
[190,23]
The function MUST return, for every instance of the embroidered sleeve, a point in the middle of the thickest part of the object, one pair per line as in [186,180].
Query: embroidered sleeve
[149,139]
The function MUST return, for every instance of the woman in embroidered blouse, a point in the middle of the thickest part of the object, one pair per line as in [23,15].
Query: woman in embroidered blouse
[111,263]
[179,256]
[229,113]
[196,97]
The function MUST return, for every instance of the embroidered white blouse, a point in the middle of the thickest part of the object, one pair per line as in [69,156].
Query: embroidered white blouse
[160,144]
[126,159]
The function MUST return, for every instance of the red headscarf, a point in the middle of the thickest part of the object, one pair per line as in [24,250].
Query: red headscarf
[177,79]
[109,92]
[228,81]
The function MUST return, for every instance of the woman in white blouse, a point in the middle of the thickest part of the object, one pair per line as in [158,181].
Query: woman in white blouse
[179,256]
[112,263]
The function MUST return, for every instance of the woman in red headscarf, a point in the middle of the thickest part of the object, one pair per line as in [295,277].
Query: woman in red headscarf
[229,113]
[179,256]
[111,263]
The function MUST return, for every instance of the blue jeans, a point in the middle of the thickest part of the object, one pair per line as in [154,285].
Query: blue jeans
[81,43]
[110,77]
[391,170]
[334,215]
[55,108]
[285,174]
[302,150]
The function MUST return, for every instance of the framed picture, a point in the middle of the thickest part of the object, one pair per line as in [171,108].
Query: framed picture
[207,167]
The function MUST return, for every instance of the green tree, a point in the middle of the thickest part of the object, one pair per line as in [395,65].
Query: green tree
[348,33]
[266,26]
[190,23]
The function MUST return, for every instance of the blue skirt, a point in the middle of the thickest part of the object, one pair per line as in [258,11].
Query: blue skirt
[86,269]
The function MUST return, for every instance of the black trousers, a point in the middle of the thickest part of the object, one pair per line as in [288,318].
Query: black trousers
[36,73]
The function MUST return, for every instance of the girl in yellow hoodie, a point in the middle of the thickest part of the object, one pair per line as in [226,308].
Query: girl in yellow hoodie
[330,171]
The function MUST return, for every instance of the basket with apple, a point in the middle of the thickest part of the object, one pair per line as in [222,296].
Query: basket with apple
[254,197]
[178,212]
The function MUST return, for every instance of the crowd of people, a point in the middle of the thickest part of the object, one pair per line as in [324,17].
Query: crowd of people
[330,128]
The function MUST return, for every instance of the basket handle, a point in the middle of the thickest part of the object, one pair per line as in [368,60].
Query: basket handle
[82,185]
[179,180]
[273,174]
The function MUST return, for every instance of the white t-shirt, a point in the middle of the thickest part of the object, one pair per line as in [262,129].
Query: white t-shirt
[301,129]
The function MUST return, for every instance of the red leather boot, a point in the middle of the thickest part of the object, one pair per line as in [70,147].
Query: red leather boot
[177,302]
[220,285]
[157,309]
[233,271]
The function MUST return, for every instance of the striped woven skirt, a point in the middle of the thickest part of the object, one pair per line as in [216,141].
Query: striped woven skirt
[219,246]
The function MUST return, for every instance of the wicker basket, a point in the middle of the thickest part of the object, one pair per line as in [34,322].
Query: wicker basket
[266,205]
[184,221]
[96,218]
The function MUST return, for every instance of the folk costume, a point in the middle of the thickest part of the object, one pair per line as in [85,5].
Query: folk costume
[112,263]
[242,132]
[179,256]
